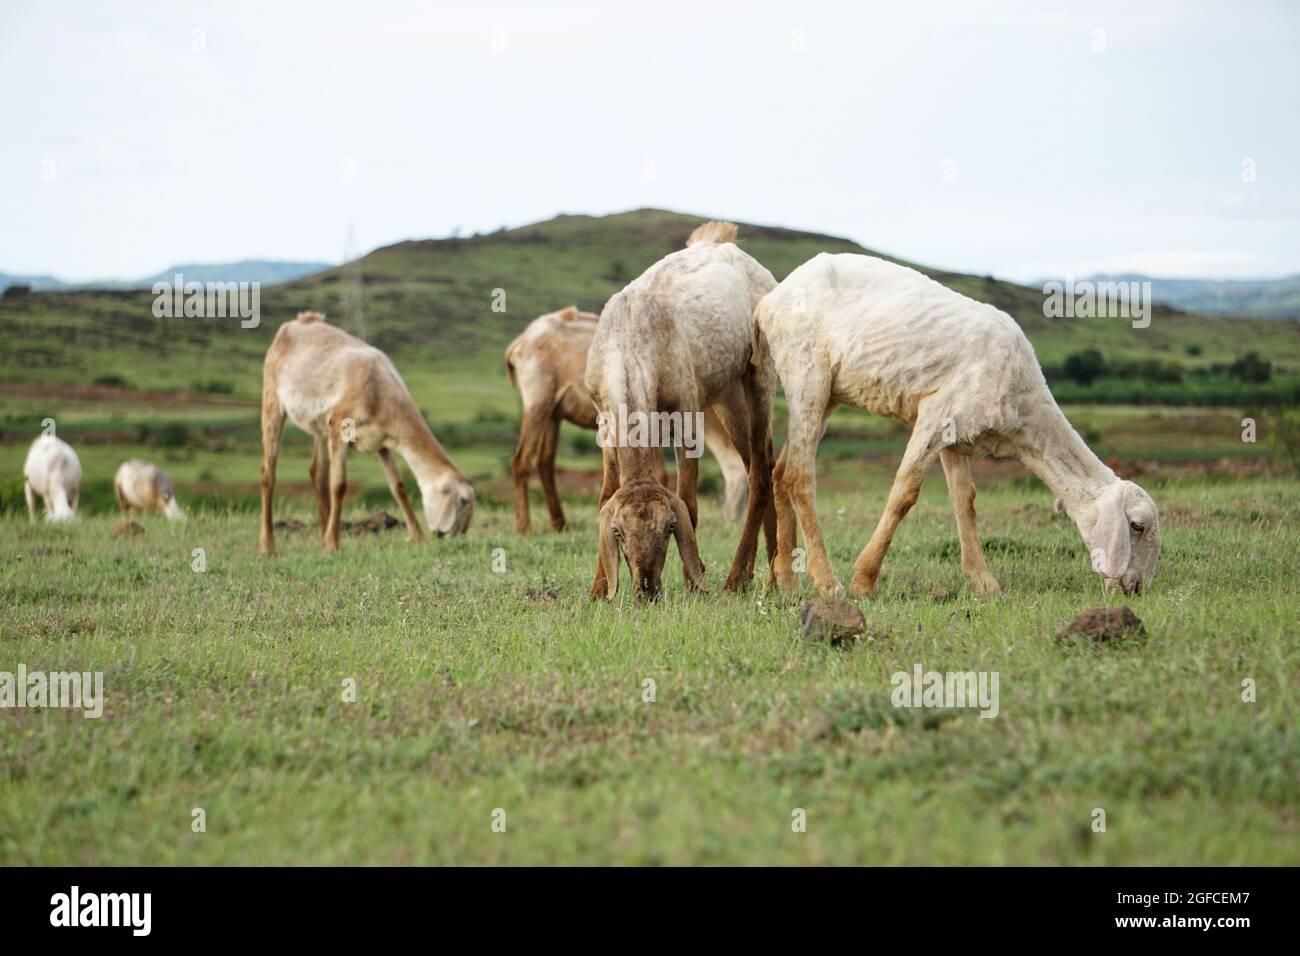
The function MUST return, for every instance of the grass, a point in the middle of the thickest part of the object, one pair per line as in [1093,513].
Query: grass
[479,690]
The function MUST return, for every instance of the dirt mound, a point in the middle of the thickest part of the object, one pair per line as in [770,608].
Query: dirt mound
[375,523]
[1101,624]
[832,621]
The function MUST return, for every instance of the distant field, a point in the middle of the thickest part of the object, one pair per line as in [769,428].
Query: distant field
[479,691]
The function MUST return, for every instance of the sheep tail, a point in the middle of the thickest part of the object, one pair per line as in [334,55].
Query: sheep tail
[758,350]
[713,232]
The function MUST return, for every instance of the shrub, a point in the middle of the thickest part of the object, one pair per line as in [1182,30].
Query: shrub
[1084,367]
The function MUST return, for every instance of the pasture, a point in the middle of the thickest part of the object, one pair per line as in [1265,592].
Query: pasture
[482,686]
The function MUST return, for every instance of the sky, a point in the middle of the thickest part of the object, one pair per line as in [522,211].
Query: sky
[1015,139]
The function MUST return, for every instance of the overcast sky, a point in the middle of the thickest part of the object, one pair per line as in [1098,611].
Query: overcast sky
[1018,139]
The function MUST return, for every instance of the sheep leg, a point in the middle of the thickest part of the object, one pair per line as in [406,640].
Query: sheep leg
[30,495]
[319,471]
[338,475]
[733,465]
[272,434]
[546,473]
[531,429]
[922,449]
[956,469]
[754,449]
[796,484]
[688,482]
[398,489]
[608,486]
[121,499]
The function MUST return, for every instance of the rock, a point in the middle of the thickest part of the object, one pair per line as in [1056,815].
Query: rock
[831,620]
[127,529]
[1101,624]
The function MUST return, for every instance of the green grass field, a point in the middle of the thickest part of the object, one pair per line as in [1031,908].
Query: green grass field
[478,691]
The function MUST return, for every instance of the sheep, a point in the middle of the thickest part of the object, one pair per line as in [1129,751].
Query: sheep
[53,471]
[548,364]
[347,394]
[860,331]
[146,487]
[677,341]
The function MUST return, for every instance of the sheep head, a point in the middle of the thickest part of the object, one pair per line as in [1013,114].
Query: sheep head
[448,504]
[1122,531]
[637,523]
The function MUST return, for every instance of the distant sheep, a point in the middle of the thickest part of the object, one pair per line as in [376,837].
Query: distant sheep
[347,394]
[859,331]
[53,471]
[548,364]
[143,486]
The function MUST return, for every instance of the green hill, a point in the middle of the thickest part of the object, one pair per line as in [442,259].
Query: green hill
[429,303]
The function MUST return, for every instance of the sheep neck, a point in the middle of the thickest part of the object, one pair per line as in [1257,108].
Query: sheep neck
[429,461]
[1048,446]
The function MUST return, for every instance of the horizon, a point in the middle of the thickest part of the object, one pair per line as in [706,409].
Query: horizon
[335,263]
[1020,140]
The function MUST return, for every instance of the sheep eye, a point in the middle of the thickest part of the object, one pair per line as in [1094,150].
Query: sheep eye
[1136,527]
[669,530]
[618,532]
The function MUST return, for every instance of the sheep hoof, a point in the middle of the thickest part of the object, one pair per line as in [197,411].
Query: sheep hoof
[986,586]
[864,590]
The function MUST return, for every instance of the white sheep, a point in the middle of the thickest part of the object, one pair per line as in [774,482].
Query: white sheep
[144,486]
[859,331]
[53,471]
[677,341]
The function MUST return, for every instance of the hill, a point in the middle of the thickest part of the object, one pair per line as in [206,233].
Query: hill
[430,304]
[266,271]
[1257,298]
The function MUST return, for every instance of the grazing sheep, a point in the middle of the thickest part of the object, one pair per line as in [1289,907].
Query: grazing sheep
[548,363]
[347,394]
[146,487]
[859,331]
[53,471]
[677,340]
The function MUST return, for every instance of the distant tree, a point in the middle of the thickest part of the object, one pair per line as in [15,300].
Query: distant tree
[17,289]
[1251,368]
[1084,367]
[1193,349]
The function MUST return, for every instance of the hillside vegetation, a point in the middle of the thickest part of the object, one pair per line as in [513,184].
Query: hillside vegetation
[429,303]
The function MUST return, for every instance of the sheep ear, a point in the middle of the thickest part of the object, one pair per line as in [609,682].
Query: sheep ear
[569,313]
[609,562]
[1110,540]
[692,567]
